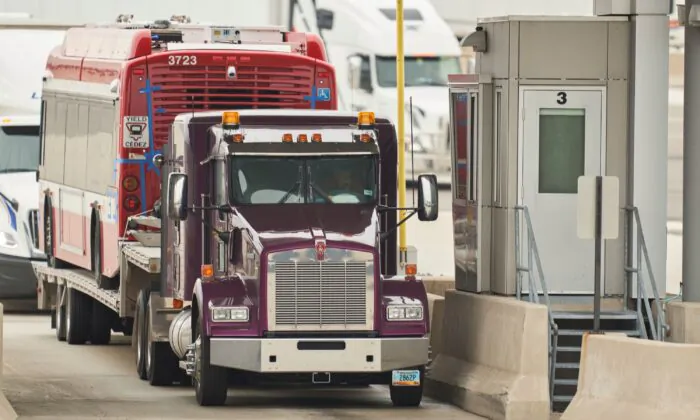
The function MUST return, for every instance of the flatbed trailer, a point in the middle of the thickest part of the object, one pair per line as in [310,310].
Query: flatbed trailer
[140,263]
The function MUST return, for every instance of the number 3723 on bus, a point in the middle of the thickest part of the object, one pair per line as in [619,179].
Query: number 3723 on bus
[182,60]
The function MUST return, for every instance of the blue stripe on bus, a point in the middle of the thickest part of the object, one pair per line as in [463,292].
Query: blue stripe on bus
[11,213]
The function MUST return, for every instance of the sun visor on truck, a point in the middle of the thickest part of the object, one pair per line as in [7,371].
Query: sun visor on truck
[304,148]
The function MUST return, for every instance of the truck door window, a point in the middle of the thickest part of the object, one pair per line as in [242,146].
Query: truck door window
[220,196]
[366,75]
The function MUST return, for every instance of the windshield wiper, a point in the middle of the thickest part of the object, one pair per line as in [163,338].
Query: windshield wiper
[296,187]
[14,170]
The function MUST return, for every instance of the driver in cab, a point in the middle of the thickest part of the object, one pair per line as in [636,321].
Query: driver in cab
[342,187]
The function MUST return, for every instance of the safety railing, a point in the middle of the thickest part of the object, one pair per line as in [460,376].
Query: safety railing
[535,279]
[657,321]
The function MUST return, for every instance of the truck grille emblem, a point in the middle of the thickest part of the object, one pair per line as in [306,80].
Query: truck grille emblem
[320,250]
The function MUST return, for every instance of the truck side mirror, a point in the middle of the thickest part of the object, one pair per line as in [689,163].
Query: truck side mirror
[324,19]
[355,71]
[177,196]
[427,198]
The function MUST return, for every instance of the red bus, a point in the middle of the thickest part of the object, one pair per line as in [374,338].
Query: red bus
[109,96]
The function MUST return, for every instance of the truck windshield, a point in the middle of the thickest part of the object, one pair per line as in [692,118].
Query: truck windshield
[303,180]
[19,148]
[418,71]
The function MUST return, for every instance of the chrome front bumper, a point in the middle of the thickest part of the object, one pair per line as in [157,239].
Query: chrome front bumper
[302,355]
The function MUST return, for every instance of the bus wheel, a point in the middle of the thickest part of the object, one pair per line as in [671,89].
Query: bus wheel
[60,314]
[78,308]
[140,331]
[103,282]
[101,326]
[51,260]
[161,363]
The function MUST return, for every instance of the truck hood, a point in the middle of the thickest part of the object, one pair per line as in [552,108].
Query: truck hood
[300,225]
[430,105]
[21,186]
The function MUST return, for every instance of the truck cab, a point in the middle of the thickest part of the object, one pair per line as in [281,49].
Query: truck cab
[280,227]
[360,37]
[19,160]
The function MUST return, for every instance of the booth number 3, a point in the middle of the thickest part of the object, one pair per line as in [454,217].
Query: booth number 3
[561,98]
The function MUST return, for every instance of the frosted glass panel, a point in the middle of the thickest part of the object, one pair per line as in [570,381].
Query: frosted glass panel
[562,150]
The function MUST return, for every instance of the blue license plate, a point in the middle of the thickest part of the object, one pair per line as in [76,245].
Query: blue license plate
[405,378]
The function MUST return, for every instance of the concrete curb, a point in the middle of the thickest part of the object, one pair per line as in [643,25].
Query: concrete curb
[7,412]
[674,228]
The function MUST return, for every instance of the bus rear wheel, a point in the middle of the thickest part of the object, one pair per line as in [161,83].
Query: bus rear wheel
[51,259]
[103,282]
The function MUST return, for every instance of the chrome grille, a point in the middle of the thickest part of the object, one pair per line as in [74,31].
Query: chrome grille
[33,219]
[322,294]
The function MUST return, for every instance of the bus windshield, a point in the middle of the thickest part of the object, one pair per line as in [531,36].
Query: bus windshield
[19,148]
[303,179]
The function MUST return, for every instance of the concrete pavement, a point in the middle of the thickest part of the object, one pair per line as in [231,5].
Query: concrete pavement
[47,379]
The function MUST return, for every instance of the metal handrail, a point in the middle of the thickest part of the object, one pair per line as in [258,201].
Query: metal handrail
[657,322]
[533,294]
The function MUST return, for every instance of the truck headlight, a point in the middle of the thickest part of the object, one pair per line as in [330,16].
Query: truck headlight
[7,240]
[236,314]
[404,313]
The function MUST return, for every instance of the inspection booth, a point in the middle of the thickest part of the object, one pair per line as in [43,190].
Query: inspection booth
[553,99]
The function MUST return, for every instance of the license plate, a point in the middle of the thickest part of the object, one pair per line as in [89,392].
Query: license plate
[405,378]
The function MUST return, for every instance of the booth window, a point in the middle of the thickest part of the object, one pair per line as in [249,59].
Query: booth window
[460,138]
[472,193]
[562,145]
[497,150]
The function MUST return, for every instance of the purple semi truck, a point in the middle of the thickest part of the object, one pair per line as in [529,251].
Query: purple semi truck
[279,256]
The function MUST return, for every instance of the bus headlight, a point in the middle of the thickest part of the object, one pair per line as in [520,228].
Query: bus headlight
[229,314]
[7,240]
[404,313]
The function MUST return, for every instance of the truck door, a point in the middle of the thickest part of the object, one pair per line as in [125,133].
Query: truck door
[303,17]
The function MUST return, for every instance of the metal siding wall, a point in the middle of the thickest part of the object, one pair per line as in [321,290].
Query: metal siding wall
[215,11]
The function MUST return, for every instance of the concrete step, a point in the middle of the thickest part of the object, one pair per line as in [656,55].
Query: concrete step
[572,332]
[568,349]
[566,366]
[563,398]
[616,315]
[570,382]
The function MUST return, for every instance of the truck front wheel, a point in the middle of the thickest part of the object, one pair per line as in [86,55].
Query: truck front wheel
[210,382]
[408,395]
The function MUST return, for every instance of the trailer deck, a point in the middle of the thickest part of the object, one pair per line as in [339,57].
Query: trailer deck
[145,258]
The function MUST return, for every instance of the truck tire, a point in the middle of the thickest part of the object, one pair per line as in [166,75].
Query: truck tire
[78,308]
[101,325]
[210,382]
[141,338]
[161,363]
[408,396]
[60,315]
